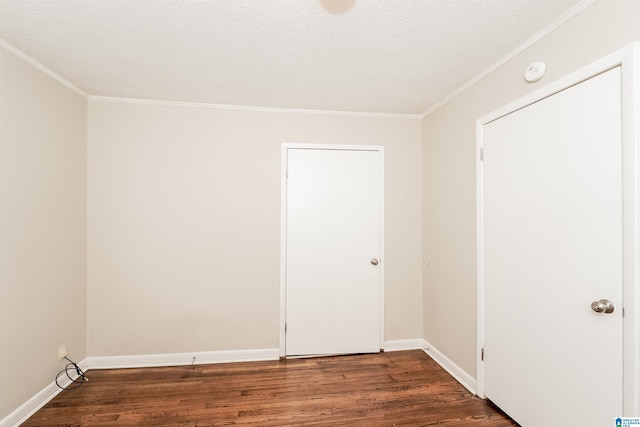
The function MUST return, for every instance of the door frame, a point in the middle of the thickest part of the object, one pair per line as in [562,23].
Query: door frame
[283,228]
[627,59]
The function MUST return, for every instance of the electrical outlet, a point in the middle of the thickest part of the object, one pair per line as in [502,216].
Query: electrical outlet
[62,351]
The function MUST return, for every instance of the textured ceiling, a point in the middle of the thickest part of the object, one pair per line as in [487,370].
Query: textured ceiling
[388,56]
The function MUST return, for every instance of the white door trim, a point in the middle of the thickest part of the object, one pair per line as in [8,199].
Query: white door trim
[283,229]
[627,59]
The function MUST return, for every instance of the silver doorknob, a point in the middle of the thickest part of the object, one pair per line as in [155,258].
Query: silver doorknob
[602,306]
[374,261]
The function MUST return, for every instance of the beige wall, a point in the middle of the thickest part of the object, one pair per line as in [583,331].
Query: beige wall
[184,223]
[42,229]
[449,209]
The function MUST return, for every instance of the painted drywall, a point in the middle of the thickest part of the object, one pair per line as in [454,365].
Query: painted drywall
[184,223]
[43,229]
[449,176]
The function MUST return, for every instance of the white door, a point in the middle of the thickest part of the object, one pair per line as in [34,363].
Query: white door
[334,202]
[552,246]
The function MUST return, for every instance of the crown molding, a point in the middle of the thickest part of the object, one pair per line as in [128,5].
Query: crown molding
[137,101]
[20,54]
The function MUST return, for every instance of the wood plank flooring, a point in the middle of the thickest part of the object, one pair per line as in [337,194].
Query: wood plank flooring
[404,388]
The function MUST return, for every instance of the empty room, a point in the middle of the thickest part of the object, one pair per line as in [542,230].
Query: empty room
[320,212]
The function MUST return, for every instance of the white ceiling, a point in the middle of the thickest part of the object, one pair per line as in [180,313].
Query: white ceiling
[387,56]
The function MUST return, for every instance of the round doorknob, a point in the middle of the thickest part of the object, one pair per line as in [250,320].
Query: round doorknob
[602,306]
[374,261]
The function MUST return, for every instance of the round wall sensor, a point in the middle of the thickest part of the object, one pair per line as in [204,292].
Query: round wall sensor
[535,71]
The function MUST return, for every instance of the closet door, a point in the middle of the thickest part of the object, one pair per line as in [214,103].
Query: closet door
[553,251]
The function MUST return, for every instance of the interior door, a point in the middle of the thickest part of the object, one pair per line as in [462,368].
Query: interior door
[553,246]
[334,202]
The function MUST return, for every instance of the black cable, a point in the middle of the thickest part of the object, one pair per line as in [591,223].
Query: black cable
[75,382]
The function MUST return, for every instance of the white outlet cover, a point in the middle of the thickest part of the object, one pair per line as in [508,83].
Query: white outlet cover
[62,351]
[535,71]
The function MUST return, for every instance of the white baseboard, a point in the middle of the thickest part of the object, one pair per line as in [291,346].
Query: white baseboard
[32,405]
[399,345]
[448,365]
[179,359]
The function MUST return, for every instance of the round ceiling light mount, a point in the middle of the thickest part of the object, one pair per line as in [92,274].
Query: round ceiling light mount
[337,7]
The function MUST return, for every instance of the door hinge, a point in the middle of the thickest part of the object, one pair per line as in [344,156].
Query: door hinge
[285,328]
[482,354]
[482,154]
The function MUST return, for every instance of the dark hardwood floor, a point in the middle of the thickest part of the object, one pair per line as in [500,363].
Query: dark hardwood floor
[404,388]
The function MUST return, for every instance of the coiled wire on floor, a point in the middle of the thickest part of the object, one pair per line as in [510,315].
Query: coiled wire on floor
[76,380]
